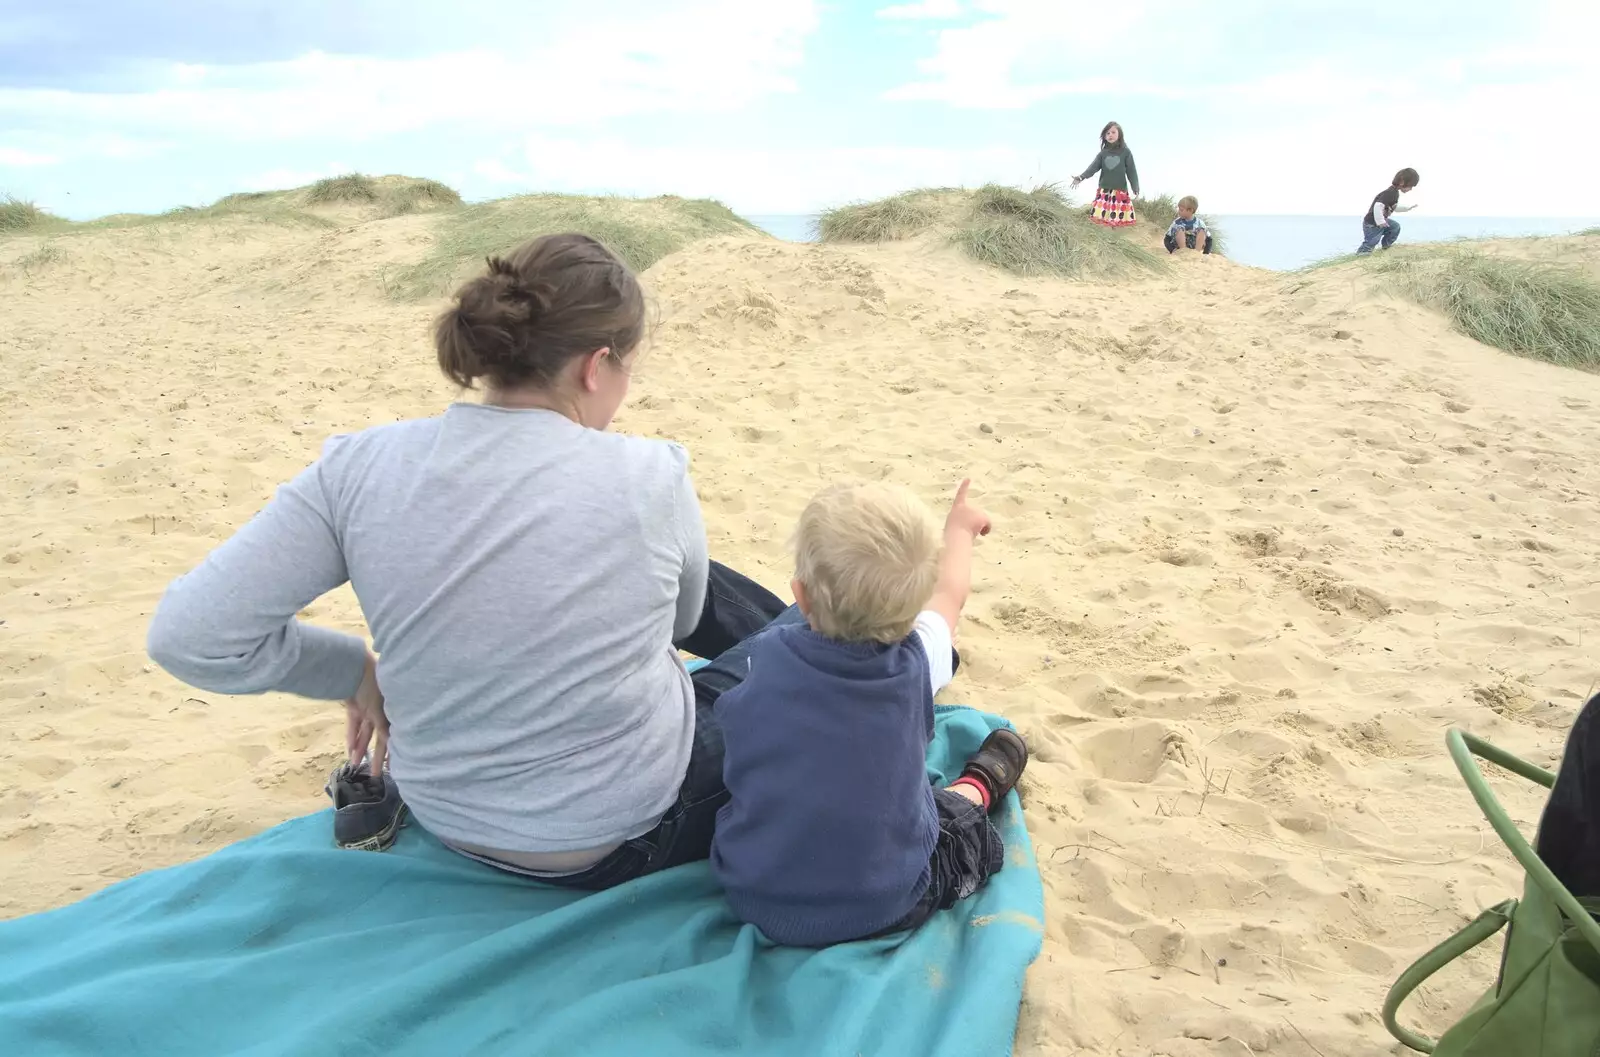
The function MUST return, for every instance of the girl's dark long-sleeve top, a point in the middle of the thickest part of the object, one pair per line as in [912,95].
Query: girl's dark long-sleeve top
[1116,169]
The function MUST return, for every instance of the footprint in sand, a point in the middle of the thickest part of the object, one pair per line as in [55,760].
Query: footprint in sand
[1135,752]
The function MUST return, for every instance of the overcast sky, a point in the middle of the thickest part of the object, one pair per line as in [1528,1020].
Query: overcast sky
[787,106]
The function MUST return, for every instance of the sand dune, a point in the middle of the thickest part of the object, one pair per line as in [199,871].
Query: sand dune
[1259,540]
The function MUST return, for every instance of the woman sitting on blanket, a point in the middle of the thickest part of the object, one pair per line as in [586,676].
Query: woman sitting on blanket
[528,579]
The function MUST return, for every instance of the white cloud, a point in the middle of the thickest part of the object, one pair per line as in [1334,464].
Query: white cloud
[754,181]
[707,55]
[16,158]
[930,9]
[1016,53]
[977,65]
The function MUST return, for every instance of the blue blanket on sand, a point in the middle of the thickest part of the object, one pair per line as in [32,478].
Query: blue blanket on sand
[284,945]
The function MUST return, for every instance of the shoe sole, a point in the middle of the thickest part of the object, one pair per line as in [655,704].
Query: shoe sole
[383,840]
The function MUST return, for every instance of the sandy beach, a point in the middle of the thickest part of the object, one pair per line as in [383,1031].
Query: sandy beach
[1260,538]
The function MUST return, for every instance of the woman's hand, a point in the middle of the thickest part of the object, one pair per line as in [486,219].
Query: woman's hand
[366,728]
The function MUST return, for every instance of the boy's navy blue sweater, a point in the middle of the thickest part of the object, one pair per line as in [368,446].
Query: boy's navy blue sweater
[831,822]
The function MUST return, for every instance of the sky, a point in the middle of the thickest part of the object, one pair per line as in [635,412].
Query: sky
[790,106]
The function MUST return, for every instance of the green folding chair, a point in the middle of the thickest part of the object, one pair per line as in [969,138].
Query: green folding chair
[1546,1001]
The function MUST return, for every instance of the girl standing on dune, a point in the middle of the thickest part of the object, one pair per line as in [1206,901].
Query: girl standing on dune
[1113,204]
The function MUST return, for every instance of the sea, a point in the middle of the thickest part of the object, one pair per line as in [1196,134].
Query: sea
[1284,243]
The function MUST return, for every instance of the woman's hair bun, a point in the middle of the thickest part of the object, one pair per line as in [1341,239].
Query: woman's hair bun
[510,290]
[552,299]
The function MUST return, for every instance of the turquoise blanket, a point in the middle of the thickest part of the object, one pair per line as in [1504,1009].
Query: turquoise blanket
[284,945]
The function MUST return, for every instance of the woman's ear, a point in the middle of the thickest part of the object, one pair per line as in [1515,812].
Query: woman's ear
[592,365]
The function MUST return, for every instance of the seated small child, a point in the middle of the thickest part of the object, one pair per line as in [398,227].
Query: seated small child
[832,831]
[1191,226]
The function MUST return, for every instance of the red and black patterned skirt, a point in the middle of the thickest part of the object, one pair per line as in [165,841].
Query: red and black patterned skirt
[1114,209]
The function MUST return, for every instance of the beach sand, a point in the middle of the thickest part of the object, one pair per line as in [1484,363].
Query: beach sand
[1259,540]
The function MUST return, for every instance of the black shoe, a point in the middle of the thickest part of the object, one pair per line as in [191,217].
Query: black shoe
[367,811]
[998,764]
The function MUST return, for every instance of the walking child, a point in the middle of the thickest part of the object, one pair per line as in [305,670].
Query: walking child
[1188,227]
[1378,224]
[832,831]
[1113,205]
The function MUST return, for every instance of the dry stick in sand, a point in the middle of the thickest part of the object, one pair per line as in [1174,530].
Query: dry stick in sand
[1207,773]
[1153,965]
[1305,1040]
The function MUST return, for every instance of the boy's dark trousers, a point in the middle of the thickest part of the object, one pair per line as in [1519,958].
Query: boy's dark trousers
[1171,242]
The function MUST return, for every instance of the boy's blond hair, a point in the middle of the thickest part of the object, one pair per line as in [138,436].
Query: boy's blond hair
[868,557]
[1188,202]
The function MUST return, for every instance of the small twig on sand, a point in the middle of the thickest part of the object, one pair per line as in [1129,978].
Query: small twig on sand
[1305,1040]
[1151,965]
[1208,774]
[1241,1042]
[1131,968]
[1091,847]
[1420,903]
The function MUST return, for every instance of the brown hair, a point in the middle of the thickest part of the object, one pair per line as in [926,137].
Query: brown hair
[1188,202]
[1406,178]
[550,300]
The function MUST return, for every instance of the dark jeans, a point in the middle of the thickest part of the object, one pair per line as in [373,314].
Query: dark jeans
[736,608]
[1569,831]
[1372,235]
[1171,242]
[968,853]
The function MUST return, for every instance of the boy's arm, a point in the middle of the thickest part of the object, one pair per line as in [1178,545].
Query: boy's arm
[1377,214]
[955,576]
[963,525]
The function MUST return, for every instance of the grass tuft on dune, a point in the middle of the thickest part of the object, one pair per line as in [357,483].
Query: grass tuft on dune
[1039,232]
[372,197]
[351,187]
[1029,233]
[18,216]
[640,230]
[1530,308]
[393,196]
[412,195]
[891,219]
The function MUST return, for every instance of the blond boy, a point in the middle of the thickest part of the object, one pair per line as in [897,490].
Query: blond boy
[1187,227]
[832,831]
